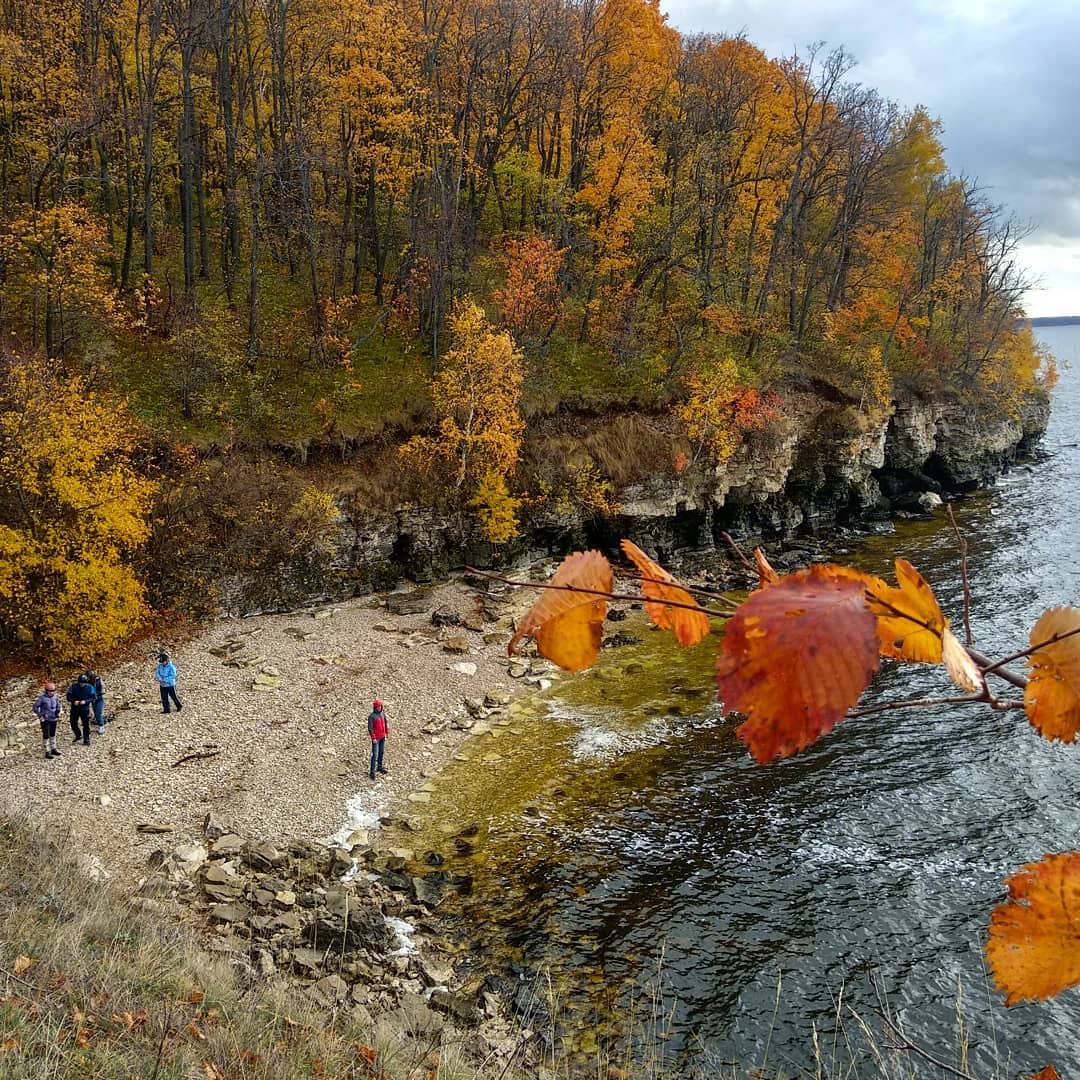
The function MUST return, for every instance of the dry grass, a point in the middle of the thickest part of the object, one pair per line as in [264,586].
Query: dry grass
[93,985]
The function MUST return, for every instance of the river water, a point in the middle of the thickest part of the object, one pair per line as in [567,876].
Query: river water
[717,911]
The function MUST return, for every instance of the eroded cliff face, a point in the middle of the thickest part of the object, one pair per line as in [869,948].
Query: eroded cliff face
[822,463]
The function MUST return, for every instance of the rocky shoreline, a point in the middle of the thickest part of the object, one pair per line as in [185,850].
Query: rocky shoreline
[310,881]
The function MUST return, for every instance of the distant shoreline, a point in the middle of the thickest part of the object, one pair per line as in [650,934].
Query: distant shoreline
[1054,320]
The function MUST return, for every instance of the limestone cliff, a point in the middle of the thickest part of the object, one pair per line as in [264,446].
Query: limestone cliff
[823,462]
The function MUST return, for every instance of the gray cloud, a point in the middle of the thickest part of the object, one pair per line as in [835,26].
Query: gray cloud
[1004,80]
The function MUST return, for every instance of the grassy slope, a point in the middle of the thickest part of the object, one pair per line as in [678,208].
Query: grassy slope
[91,985]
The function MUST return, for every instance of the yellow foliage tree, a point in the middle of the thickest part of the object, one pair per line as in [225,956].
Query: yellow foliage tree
[476,394]
[73,513]
[718,410]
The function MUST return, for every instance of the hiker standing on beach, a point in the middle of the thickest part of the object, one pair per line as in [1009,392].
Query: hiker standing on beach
[80,697]
[377,728]
[94,680]
[47,710]
[166,677]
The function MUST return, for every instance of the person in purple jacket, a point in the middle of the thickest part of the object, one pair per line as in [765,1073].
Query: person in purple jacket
[47,709]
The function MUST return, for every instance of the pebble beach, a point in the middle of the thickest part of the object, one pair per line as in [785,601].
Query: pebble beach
[273,734]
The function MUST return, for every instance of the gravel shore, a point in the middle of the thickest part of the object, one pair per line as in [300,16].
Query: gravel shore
[279,762]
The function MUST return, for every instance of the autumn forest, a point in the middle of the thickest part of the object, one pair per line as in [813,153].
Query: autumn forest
[239,228]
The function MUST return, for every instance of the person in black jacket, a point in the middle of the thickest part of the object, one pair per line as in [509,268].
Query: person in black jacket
[80,697]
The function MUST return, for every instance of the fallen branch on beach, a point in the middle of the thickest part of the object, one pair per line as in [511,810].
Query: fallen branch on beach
[199,755]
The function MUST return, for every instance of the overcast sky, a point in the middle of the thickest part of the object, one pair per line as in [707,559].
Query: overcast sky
[1003,78]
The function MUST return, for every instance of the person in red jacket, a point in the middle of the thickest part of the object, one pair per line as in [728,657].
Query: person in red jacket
[377,728]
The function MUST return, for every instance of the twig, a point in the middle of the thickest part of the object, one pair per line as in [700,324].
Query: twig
[989,667]
[199,756]
[636,598]
[166,1027]
[998,664]
[33,986]
[893,706]
[695,590]
[873,601]
[739,552]
[912,1047]
[961,543]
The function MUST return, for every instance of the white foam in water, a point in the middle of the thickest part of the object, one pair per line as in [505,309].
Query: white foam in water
[595,742]
[358,815]
[404,932]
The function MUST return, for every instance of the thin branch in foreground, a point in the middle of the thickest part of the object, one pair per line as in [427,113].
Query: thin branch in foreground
[990,667]
[917,703]
[634,598]
[962,544]
[1052,640]
[694,590]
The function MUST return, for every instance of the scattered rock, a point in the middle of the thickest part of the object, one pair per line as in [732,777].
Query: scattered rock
[332,989]
[461,1009]
[153,828]
[229,844]
[229,913]
[457,644]
[416,602]
[463,667]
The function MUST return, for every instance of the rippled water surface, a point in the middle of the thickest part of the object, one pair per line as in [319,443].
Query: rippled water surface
[624,822]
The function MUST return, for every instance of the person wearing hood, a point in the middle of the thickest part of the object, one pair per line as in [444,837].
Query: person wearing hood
[94,679]
[47,710]
[80,697]
[166,678]
[378,727]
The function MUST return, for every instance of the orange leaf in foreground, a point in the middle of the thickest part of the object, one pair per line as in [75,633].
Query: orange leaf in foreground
[1049,1073]
[1052,697]
[568,626]
[1034,946]
[910,623]
[662,590]
[766,574]
[795,657]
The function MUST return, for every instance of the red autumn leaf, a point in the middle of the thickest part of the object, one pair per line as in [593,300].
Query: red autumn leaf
[1052,696]
[1049,1073]
[1034,944]
[795,657]
[662,590]
[568,626]
[368,1054]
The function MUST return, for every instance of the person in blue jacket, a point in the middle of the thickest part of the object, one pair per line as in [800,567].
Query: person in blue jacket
[94,679]
[166,677]
[80,697]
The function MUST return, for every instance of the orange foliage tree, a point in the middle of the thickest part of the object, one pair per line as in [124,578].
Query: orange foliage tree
[794,660]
